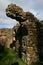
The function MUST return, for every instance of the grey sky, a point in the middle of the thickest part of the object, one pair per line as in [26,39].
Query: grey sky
[34,6]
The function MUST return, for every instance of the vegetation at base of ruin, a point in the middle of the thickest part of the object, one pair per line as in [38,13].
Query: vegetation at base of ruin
[10,57]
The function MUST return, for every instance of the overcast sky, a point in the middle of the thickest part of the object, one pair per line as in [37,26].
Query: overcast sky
[34,6]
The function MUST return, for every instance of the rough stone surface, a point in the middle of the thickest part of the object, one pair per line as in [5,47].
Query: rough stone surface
[6,37]
[15,12]
[29,34]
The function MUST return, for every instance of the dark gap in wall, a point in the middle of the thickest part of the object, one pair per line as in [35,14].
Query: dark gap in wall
[12,44]
[22,31]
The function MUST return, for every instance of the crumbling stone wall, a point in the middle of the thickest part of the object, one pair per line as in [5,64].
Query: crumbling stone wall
[6,37]
[29,43]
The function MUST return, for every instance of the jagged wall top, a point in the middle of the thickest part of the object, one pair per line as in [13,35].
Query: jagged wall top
[16,12]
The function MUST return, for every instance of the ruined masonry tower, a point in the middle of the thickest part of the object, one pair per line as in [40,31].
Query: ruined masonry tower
[29,34]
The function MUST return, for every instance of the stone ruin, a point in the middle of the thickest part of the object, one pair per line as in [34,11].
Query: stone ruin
[6,37]
[28,34]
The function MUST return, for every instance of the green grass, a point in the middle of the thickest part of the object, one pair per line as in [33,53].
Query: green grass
[9,56]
